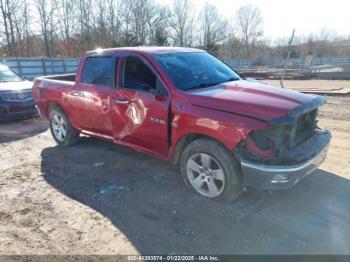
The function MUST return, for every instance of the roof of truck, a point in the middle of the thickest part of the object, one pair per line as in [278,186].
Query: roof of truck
[146,49]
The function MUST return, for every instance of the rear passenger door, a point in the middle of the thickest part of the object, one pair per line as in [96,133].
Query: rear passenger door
[92,95]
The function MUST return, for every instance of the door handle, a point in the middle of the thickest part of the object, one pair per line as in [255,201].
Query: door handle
[77,93]
[122,102]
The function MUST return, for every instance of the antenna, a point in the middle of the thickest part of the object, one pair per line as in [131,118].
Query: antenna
[285,66]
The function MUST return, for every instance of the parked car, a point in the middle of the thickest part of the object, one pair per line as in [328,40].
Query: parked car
[16,100]
[186,106]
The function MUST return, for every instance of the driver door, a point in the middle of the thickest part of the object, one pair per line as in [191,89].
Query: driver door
[140,108]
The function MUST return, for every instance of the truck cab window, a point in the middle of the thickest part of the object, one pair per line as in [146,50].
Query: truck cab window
[138,76]
[99,71]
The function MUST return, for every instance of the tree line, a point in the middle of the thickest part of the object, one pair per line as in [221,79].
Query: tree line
[70,27]
[67,28]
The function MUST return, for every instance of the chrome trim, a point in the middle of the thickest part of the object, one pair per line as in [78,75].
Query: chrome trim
[78,93]
[295,172]
[90,133]
[122,102]
[15,96]
[39,112]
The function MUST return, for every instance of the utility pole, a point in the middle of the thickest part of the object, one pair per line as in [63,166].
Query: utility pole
[289,50]
[339,60]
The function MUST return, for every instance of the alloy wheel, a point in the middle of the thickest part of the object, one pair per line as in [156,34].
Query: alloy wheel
[59,127]
[206,175]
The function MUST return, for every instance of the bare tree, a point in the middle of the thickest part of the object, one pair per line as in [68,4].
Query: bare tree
[19,24]
[85,15]
[15,22]
[67,21]
[8,10]
[99,24]
[70,27]
[25,21]
[249,21]
[46,9]
[182,22]
[115,10]
[158,24]
[145,22]
[213,27]
[139,13]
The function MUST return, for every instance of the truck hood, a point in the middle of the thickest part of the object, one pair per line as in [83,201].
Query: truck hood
[15,86]
[250,99]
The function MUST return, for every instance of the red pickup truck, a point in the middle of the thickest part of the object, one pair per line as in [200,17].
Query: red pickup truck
[186,106]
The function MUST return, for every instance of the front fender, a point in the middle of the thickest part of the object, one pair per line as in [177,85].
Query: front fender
[226,128]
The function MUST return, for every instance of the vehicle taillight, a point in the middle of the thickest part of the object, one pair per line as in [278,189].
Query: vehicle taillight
[36,90]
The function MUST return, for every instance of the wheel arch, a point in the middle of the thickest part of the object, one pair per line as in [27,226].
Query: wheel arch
[49,106]
[186,139]
[53,104]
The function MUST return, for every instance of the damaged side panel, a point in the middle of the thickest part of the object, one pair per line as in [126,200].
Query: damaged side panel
[227,128]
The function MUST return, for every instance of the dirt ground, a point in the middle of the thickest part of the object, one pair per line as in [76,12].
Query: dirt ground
[99,198]
[316,85]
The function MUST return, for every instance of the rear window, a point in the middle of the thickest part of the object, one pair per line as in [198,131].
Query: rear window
[99,71]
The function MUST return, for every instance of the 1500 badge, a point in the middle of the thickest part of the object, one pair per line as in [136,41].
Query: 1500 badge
[158,121]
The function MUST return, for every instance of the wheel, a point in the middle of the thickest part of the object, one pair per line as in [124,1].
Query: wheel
[211,170]
[61,129]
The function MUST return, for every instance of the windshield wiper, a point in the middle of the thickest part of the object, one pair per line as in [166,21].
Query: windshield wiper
[231,79]
[202,85]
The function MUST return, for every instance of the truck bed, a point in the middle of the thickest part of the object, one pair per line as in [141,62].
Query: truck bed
[64,77]
[51,88]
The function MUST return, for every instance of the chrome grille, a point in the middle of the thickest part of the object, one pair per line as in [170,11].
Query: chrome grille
[304,127]
[21,109]
[16,96]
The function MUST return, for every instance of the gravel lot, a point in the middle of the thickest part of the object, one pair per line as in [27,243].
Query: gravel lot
[99,198]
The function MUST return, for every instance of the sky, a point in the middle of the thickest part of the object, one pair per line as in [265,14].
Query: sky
[280,16]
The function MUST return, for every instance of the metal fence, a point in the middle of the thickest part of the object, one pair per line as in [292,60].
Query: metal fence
[301,67]
[30,68]
[301,63]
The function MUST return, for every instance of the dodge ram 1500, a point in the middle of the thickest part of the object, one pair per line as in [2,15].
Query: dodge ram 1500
[187,106]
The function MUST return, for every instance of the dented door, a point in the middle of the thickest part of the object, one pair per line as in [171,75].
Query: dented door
[140,118]
[93,109]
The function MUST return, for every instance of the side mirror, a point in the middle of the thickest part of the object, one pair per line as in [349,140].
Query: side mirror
[160,89]
[159,92]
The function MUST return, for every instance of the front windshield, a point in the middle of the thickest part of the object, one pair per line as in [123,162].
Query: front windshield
[195,70]
[6,75]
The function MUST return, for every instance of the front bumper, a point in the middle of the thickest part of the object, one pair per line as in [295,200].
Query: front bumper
[275,177]
[17,111]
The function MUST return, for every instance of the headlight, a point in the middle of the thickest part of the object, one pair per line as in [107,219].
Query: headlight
[266,143]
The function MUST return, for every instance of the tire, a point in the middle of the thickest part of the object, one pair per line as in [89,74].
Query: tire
[209,169]
[61,129]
